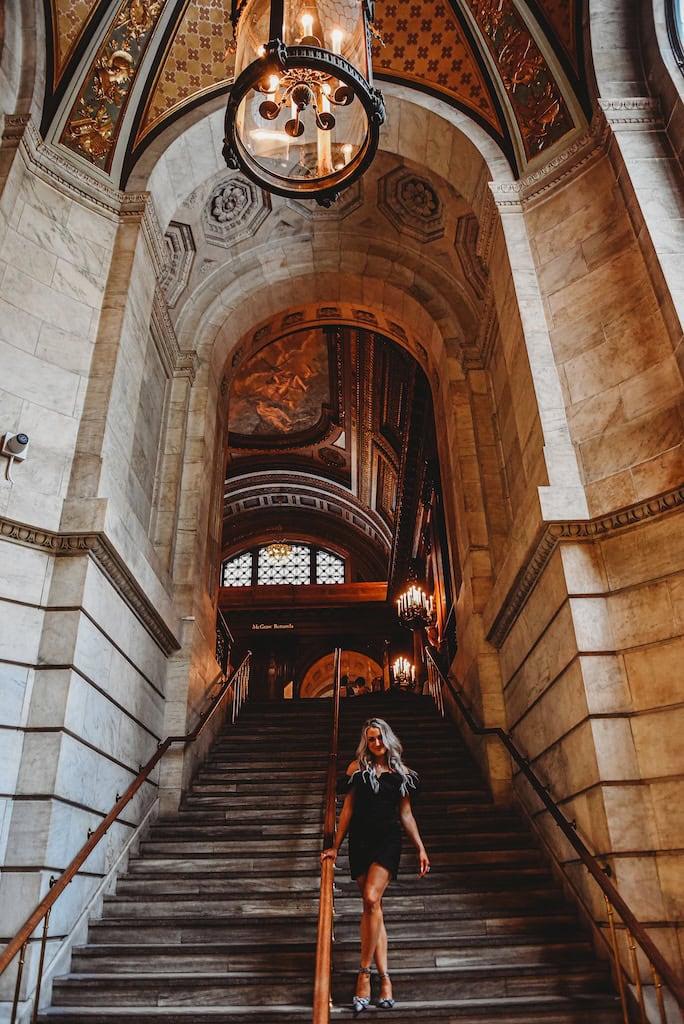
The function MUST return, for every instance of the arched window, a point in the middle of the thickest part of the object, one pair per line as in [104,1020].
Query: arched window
[282,563]
[675,28]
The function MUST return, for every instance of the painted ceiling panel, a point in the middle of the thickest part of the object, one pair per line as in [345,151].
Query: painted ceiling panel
[69,19]
[561,16]
[196,61]
[92,128]
[534,94]
[424,44]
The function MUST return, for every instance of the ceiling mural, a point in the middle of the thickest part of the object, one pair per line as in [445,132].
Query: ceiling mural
[536,99]
[92,127]
[561,16]
[447,49]
[69,20]
[283,389]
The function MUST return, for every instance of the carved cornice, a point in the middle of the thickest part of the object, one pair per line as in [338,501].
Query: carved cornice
[623,113]
[139,205]
[98,547]
[286,488]
[637,110]
[51,166]
[176,362]
[581,531]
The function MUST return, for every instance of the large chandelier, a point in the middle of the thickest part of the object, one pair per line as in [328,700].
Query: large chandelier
[303,119]
[415,609]
[278,551]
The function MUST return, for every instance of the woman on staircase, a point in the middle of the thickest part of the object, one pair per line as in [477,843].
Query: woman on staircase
[376,805]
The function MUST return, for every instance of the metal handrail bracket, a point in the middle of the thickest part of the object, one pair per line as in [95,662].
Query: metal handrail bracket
[237,684]
[661,969]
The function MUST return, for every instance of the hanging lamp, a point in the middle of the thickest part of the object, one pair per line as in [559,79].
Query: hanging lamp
[303,118]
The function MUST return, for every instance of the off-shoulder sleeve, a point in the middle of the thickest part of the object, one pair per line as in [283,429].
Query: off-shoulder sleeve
[347,782]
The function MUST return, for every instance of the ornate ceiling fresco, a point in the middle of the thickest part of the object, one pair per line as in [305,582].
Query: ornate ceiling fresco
[326,420]
[516,67]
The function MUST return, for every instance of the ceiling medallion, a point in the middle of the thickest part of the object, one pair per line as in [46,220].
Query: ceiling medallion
[303,119]
[278,551]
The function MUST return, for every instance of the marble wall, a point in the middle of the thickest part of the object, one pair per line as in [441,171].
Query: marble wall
[87,614]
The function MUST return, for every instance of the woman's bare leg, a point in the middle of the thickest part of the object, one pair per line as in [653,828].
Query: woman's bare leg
[373,934]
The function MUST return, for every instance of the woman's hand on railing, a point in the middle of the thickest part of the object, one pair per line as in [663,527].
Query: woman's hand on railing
[329,854]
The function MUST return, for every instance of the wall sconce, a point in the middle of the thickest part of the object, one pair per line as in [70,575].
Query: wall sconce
[15,447]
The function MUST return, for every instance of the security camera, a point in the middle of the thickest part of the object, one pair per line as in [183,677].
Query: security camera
[15,445]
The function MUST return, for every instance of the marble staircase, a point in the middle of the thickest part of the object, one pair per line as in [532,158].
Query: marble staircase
[215,919]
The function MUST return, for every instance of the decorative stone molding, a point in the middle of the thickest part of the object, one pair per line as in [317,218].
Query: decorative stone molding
[98,547]
[581,531]
[340,313]
[305,492]
[489,328]
[181,249]
[176,362]
[350,200]
[411,204]
[487,220]
[623,114]
[235,210]
[465,244]
[50,165]
[140,205]
[633,110]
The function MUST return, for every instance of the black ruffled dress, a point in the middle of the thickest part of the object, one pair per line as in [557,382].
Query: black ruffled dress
[375,827]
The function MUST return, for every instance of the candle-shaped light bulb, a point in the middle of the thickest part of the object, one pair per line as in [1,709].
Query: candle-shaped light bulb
[337,36]
[347,152]
[307,24]
[273,83]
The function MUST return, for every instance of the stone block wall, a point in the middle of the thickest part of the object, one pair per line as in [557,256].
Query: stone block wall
[87,619]
[620,376]
[592,699]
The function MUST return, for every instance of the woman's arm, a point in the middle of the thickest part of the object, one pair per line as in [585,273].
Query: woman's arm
[345,818]
[409,823]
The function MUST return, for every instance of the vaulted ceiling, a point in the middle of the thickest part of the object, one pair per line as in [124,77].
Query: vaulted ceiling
[119,73]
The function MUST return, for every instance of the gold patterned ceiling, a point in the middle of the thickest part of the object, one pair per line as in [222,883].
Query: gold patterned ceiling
[515,67]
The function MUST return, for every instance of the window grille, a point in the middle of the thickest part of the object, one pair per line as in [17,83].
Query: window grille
[237,572]
[294,568]
[303,565]
[329,568]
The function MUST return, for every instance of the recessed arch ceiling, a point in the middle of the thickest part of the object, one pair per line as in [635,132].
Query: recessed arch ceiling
[121,72]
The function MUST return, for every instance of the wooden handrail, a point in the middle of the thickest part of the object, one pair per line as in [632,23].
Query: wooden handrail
[638,932]
[323,970]
[46,904]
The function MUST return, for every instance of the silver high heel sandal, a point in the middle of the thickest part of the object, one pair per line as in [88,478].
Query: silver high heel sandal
[388,1002]
[360,1003]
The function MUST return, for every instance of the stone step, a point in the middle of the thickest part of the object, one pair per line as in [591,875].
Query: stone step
[215,918]
[179,931]
[488,981]
[434,837]
[188,957]
[541,1010]
[210,989]
[162,959]
[277,903]
[176,882]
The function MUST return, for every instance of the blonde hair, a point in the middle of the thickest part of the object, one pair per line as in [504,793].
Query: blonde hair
[394,756]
